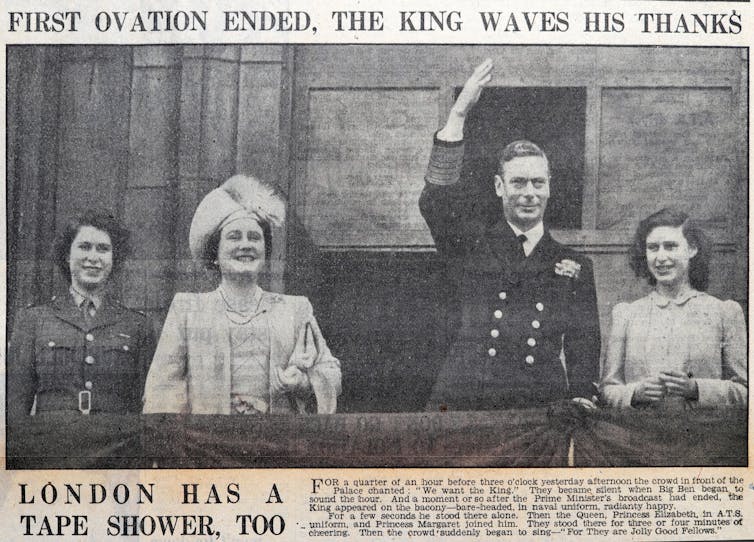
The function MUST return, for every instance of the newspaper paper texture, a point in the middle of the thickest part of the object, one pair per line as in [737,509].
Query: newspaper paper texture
[348,341]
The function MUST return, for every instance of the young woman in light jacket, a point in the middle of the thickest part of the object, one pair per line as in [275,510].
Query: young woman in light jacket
[677,346]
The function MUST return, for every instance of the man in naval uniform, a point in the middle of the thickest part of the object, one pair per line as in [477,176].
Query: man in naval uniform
[527,324]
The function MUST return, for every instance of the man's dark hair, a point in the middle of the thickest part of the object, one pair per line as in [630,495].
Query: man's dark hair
[695,236]
[119,238]
[517,149]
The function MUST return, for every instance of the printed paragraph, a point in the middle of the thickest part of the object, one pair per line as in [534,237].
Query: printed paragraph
[513,507]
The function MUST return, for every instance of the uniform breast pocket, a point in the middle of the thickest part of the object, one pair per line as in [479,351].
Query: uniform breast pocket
[120,354]
[55,355]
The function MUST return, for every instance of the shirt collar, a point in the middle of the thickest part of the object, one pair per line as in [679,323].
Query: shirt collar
[79,298]
[533,236]
[662,301]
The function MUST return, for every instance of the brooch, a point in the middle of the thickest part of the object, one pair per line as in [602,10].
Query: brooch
[568,268]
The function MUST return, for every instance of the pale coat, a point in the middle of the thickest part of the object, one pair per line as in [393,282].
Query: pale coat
[190,372]
[698,334]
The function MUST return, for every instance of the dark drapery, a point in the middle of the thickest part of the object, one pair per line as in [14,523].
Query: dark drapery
[559,435]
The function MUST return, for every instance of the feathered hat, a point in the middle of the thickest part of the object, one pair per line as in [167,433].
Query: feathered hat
[238,197]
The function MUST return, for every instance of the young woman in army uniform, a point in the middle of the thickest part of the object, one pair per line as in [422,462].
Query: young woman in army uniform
[83,351]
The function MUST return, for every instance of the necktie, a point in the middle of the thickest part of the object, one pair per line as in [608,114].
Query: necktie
[522,239]
[89,311]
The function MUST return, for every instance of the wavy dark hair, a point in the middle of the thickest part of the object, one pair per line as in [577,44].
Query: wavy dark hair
[213,244]
[120,238]
[517,149]
[695,236]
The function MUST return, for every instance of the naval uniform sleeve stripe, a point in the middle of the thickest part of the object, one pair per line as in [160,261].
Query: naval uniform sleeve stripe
[445,165]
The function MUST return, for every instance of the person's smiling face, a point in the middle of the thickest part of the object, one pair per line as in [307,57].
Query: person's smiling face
[524,190]
[90,259]
[668,255]
[241,248]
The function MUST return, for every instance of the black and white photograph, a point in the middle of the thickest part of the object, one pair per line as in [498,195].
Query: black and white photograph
[337,255]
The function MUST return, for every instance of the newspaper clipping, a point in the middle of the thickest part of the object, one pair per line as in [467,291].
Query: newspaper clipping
[296,270]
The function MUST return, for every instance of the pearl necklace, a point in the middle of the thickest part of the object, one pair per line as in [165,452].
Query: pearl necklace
[238,316]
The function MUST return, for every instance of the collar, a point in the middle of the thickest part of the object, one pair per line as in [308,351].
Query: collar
[662,301]
[79,298]
[533,236]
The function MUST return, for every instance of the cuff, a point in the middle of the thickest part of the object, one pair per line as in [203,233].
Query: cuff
[709,393]
[442,143]
[445,162]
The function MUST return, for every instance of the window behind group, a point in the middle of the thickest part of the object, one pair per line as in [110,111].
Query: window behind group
[552,117]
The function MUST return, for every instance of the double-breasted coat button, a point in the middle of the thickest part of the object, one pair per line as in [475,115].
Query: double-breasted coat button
[530,360]
[495,333]
[498,314]
[535,324]
[89,360]
[51,344]
[89,337]
[540,307]
[492,352]
[531,341]
[502,295]
[88,384]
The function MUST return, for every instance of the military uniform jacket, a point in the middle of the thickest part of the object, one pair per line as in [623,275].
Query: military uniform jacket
[526,335]
[54,354]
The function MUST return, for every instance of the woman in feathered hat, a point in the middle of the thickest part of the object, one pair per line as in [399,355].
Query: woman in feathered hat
[240,349]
